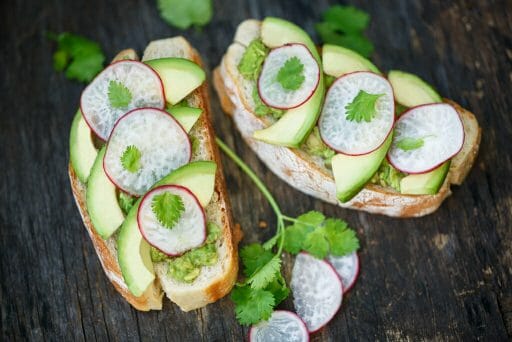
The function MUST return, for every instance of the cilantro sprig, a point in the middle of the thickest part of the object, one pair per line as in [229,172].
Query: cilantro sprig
[119,95]
[130,159]
[183,14]
[291,74]
[410,143]
[264,286]
[167,208]
[362,107]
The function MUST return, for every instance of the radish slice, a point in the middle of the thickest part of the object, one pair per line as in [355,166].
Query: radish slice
[439,130]
[282,326]
[352,137]
[188,232]
[317,291]
[269,88]
[162,144]
[144,87]
[347,268]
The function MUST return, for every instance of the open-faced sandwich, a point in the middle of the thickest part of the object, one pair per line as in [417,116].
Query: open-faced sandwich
[331,125]
[146,176]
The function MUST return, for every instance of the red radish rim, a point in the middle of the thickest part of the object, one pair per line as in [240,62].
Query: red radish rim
[342,292]
[175,186]
[115,125]
[392,122]
[107,67]
[444,161]
[287,312]
[310,95]
[356,275]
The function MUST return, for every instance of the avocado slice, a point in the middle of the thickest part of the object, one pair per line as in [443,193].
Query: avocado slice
[293,127]
[133,251]
[179,77]
[425,183]
[82,151]
[410,90]
[338,61]
[351,173]
[186,116]
[101,200]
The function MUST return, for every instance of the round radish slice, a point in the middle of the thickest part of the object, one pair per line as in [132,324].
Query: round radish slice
[188,232]
[347,268]
[282,326]
[121,87]
[425,137]
[145,145]
[317,291]
[363,127]
[296,66]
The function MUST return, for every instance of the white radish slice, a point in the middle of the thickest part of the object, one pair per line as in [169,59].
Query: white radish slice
[352,137]
[438,126]
[188,232]
[163,145]
[347,268]
[317,291]
[282,326]
[144,86]
[272,92]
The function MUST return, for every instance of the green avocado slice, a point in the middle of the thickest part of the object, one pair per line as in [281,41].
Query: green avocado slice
[82,151]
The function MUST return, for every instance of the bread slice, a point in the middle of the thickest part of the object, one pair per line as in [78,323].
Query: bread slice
[215,281]
[308,173]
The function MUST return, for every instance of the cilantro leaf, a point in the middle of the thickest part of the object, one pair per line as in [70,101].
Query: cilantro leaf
[254,257]
[167,208]
[347,18]
[342,240]
[131,159]
[183,14]
[362,107]
[311,218]
[266,274]
[118,95]
[278,288]
[80,57]
[294,238]
[291,74]
[252,60]
[126,201]
[409,144]
[316,243]
[252,305]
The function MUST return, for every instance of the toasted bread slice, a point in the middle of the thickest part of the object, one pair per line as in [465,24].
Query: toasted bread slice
[307,173]
[215,281]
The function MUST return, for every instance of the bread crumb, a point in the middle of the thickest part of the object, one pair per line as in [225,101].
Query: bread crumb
[262,224]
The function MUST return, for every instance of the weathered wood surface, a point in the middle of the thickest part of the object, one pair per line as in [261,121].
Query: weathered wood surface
[443,277]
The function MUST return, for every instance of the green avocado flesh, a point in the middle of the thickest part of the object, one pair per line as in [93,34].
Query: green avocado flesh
[186,116]
[410,90]
[425,183]
[338,61]
[101,199]
[82,152]
[351,173]
[179,77]
[293,127]
[134,253]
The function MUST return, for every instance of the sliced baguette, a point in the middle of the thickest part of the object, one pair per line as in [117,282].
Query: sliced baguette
[307,173]
[215,281]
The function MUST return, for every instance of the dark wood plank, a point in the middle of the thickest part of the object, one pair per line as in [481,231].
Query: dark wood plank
[444,277]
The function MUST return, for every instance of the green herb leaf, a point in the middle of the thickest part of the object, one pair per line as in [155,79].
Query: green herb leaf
[347,18]
[316,243]
[266,274]
[291,74]
[118,95]
[183,14]
[131,159]
[294,237]
[252,305]
[278,288]
[342,240]
[252,60]
[362,107]
[167,208]
[409,144]
[254,257]
[80,57]
[125,201]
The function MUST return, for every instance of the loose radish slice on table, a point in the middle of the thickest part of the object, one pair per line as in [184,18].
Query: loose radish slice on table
[187,233]
[152,142]
[282,326]
[317,291]
[425,137]
[354,137]
[347,268]
[121,87]
[299,62]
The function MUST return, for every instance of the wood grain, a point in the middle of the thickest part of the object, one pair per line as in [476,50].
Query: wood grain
[446,276]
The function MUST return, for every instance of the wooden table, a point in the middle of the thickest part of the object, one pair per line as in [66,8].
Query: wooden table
[446,276]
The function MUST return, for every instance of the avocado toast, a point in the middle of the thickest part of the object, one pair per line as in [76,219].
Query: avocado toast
[298,141]
[206,269]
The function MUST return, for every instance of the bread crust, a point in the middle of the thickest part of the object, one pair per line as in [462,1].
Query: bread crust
[298,169]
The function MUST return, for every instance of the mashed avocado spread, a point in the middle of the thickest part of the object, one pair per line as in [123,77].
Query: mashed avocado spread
[187,267]
[316,147]
[387,175]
